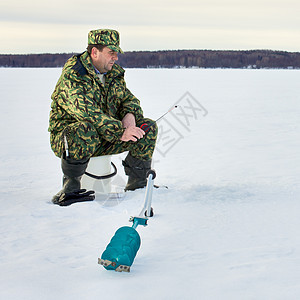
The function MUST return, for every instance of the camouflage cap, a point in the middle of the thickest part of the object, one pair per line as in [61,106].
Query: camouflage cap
[106,37]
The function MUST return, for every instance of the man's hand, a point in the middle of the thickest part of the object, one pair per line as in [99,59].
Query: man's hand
[128,120]
[132,134]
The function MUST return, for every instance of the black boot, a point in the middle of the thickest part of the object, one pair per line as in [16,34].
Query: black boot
[71,192]
[137,170]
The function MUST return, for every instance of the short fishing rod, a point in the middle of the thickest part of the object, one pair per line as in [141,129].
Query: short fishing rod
[147,127]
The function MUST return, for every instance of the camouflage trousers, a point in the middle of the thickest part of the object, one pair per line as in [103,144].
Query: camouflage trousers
[84,142]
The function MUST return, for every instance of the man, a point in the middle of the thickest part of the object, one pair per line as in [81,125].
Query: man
[93,114]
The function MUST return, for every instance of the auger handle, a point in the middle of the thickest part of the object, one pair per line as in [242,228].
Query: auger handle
[148,196]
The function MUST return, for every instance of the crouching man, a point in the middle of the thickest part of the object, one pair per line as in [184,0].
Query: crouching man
[93,113]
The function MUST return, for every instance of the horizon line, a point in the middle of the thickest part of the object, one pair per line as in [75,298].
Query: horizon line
[162,50]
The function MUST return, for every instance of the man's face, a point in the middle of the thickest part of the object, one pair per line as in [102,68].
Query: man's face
[103,60]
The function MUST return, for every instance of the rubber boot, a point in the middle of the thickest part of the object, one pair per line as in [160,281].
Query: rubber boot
[137,170]
[73,171]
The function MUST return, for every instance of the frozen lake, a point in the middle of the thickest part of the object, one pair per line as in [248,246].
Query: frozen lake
[228,227]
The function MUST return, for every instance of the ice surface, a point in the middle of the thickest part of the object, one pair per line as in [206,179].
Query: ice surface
[228,226]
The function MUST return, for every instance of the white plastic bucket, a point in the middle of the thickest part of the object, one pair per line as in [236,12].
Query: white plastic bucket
[98,166]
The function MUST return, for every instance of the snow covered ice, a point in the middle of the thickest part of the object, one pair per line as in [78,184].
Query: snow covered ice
[228,227]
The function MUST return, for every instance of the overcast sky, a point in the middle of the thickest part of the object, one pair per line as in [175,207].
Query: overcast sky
[56,26]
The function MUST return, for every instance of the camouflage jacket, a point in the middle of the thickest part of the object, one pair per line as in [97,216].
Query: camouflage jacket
[79,96]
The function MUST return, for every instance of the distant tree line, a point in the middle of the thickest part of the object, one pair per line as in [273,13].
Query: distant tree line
[34,60]
[172,59]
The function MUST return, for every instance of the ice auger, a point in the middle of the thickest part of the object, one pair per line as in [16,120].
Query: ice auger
[124,245]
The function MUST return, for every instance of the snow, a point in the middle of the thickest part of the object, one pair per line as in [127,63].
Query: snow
[228,226]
